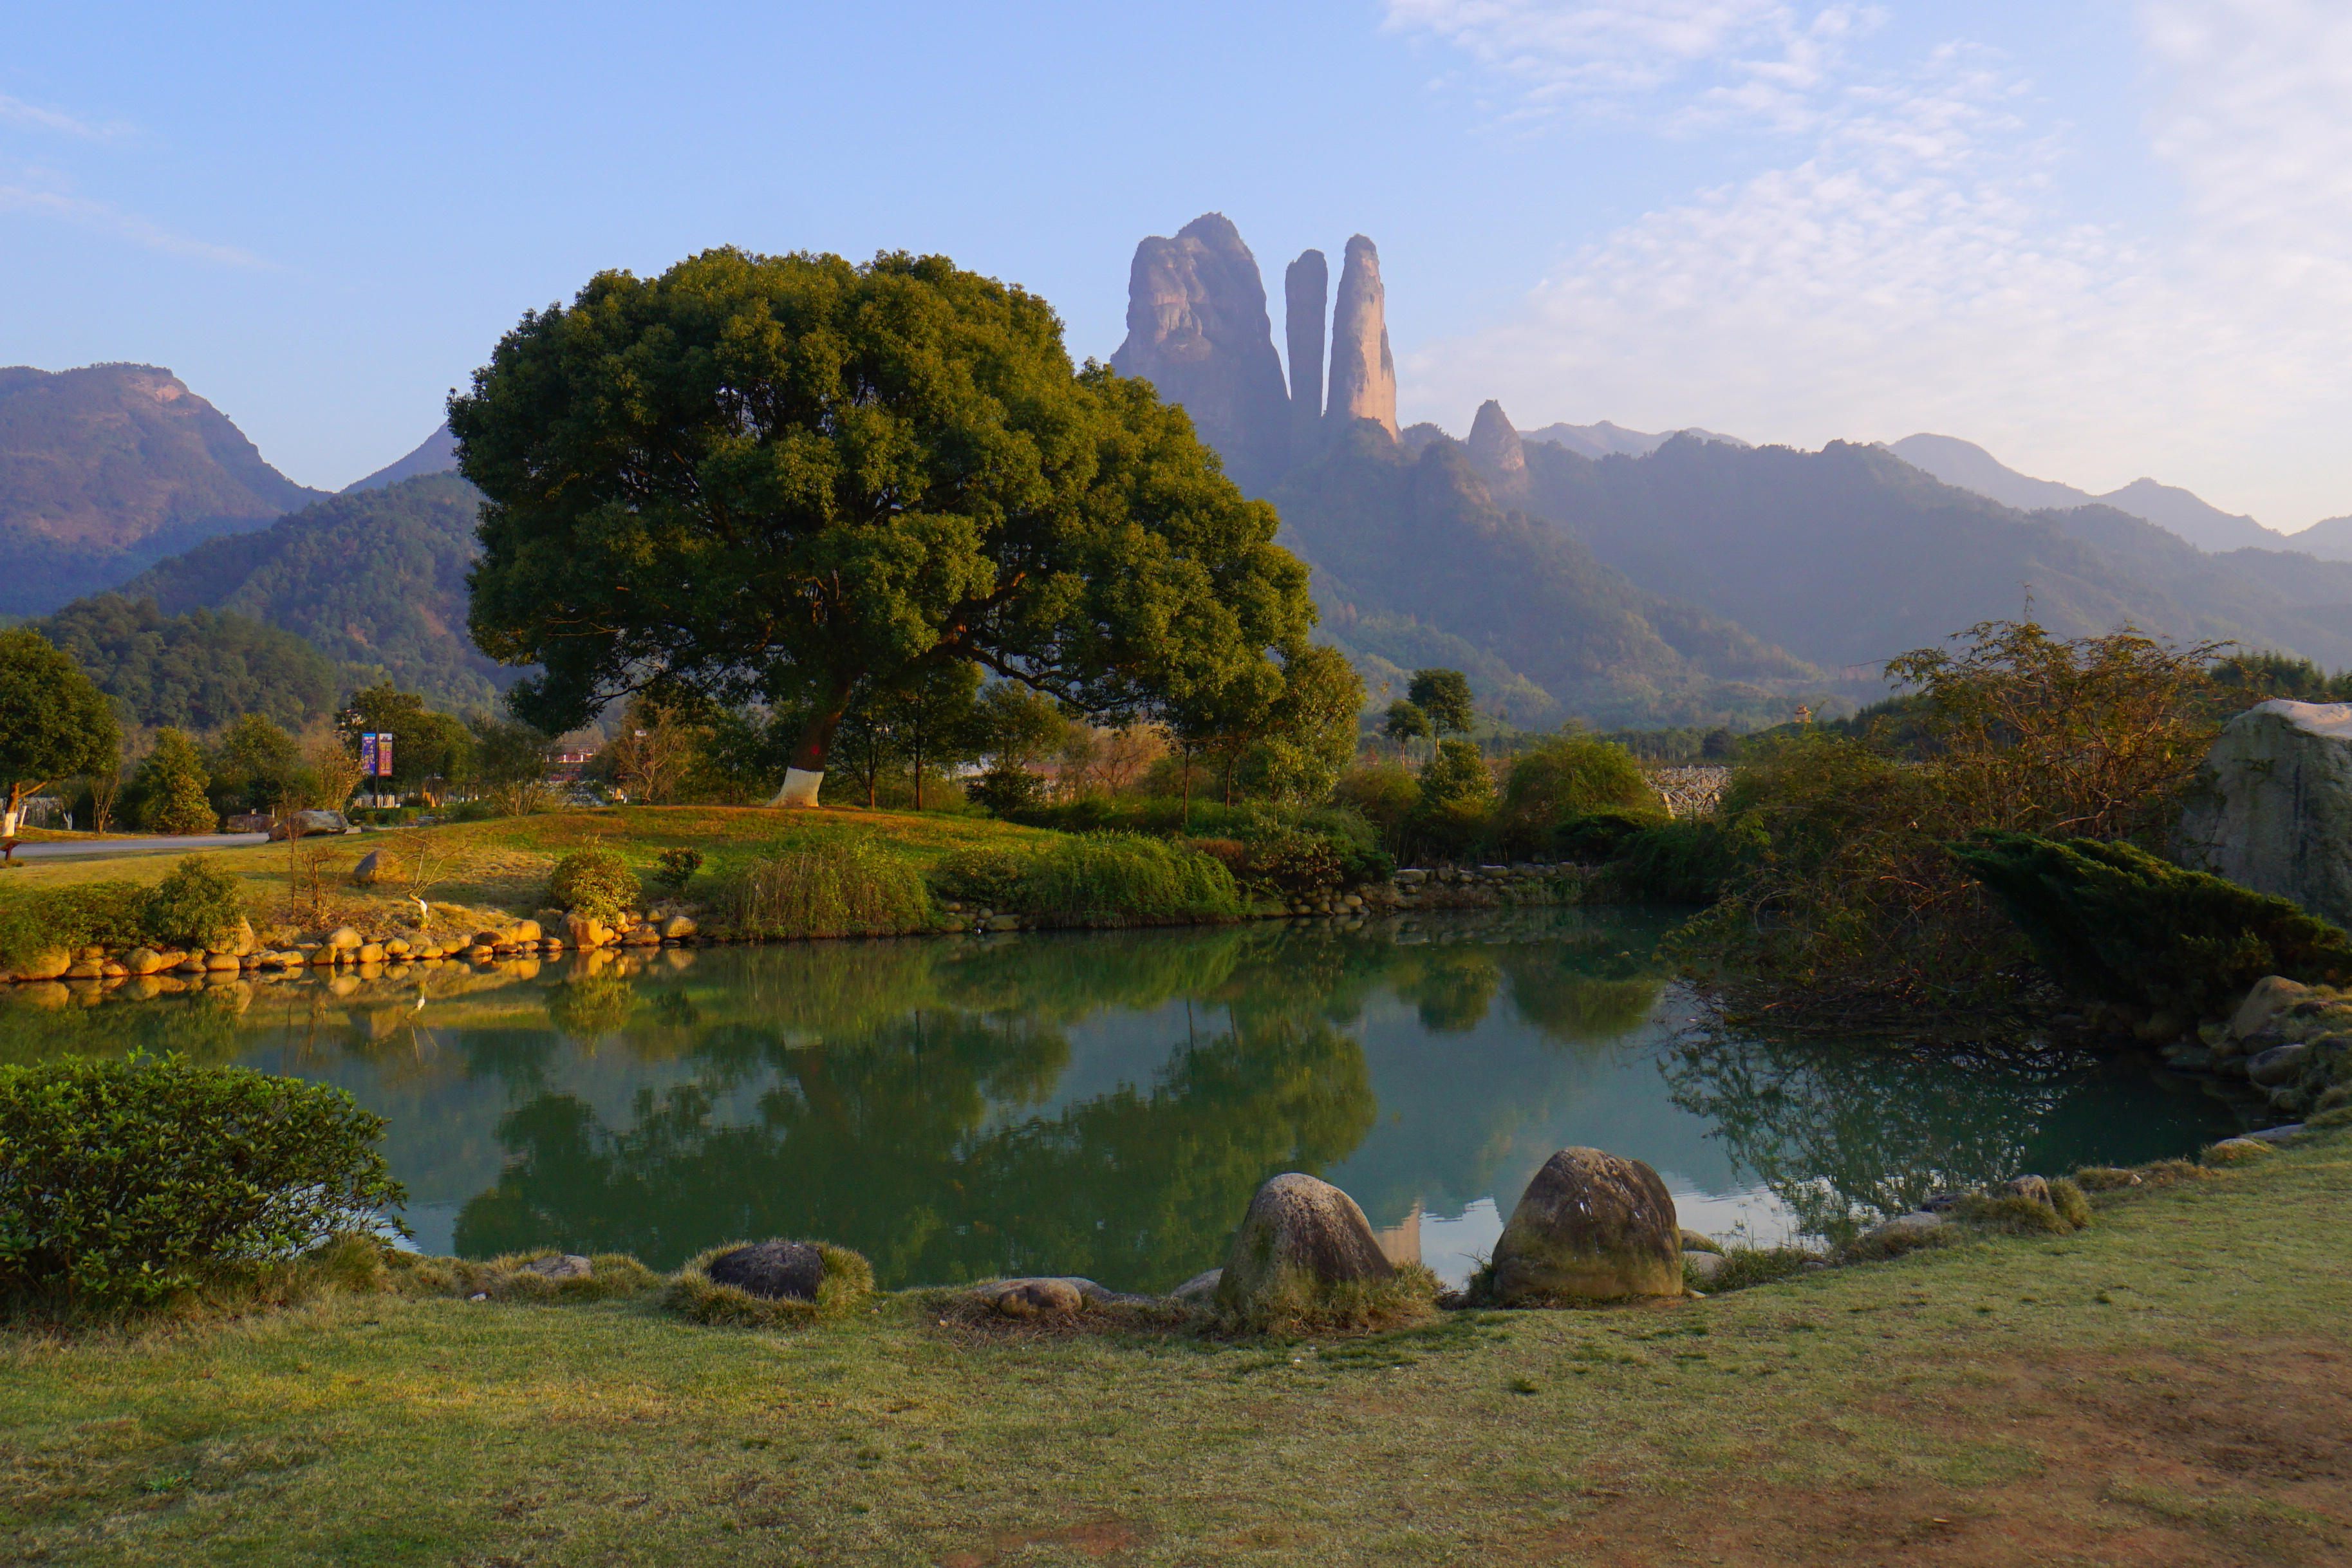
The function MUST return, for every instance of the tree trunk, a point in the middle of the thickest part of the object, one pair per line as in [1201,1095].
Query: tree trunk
[804,774]
[1188,789]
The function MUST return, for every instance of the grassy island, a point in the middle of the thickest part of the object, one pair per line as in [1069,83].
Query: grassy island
[2164,1387]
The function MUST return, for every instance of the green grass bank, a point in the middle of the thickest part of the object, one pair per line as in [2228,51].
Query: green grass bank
[2173,1384]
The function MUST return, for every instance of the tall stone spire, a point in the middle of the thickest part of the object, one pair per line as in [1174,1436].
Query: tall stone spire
[1198,330]
[1306,297]
[1495,449]
[1363,375]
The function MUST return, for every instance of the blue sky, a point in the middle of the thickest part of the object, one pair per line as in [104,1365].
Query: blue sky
[2104,237]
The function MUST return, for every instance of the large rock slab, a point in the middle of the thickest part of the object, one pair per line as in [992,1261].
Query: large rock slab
[1300,1237]
[2275,810]
[1592,1227]
[771,1270]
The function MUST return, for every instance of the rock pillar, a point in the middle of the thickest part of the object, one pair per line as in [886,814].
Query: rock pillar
[1495,450]
[2275,813]
[1363,374]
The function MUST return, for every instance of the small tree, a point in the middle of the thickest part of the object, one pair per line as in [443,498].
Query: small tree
[171,786]
[510,762]
[658,748]
[1406,723]
[1444,696]
[252,764]
[429,749]
[330,776]
[54,723]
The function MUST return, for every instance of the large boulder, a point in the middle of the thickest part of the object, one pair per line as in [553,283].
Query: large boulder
[1592,1227]
[1300,1237]
[2275,813]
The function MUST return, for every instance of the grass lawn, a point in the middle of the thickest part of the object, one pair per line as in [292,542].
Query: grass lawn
[504,865]
[2171,1386]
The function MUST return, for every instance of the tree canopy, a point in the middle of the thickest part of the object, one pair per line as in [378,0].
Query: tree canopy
[54,722]
[775,479]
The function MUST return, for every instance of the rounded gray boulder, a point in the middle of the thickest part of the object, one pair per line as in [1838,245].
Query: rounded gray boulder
[1300,1237]
[773,1271]
[1592,1227]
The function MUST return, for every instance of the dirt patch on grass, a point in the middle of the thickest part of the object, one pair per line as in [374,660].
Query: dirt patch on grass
[2241,1457]
[1094,1540]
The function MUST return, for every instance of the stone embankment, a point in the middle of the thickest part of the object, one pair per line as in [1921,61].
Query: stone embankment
[2289,1043]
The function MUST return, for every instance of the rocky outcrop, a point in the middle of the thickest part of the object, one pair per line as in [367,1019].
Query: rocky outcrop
[1592,1227]
[1198,330]
[2275,814]
[773,1271]
[1363,374]
[1494,452]
[1306,298]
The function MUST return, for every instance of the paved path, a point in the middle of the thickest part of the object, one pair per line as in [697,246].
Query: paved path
[106,848]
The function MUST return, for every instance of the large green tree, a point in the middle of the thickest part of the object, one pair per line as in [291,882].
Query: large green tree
[781,478]
[54,722]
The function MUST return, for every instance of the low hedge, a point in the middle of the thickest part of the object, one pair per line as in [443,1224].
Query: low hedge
[197,905]
[123,1184]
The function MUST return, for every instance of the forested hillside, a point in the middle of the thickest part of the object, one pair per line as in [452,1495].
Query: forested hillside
[198,670]
[1415,564]
[373,578]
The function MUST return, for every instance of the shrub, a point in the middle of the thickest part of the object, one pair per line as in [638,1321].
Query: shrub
[990,879]
[1599,836]
[610,1274]
[2113,923]
[170,787]
[1747,1266]
[1295,865]
[848,1282]
[113,914]
[1690,860]
[1571,777]
[126,1182]
[677,867]
[196,906]
[1384,794]
[593,883]
[1349,1306]
[1007,789]
[1109,876]
[844,888]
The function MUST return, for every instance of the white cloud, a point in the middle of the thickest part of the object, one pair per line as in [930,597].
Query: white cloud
[1909,266]
[84,213]
[34,117]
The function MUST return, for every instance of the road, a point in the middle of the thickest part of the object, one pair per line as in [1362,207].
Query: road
[108,848]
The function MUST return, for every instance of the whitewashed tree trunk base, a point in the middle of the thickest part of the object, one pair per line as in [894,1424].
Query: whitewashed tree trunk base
[800,788]
[7,824]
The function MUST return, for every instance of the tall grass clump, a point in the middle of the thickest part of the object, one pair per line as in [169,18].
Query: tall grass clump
[849,886]
[1125,875]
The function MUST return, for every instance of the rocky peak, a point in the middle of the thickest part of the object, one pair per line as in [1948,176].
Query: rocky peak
[1197,328]
[1363,374]
[1495,446]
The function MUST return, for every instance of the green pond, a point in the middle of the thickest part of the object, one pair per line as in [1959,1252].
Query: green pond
[1104,1103]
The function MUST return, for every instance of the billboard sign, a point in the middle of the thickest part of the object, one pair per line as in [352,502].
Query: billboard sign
[367,756]
[383,755]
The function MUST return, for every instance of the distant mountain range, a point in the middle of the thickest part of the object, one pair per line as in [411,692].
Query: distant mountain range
[106,469]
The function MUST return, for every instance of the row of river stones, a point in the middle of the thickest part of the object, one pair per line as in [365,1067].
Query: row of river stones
[2292,1042]
[347,945]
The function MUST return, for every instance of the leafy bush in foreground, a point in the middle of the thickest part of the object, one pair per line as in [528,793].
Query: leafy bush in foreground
[196,906]
[125,1183]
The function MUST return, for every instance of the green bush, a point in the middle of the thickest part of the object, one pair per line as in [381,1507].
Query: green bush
[1295,865]
[988,879]
[113,914]
[2113,923]
[1111,876]
[677,867]
[1384,794]
[850,887]
[1689,860]
[1599,836]
[1008,789]
[169,786]
[196,906]
[593,883]
[1568,777]
[125,1183]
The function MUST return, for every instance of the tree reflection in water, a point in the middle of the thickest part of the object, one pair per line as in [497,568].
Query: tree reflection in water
[1846,1134]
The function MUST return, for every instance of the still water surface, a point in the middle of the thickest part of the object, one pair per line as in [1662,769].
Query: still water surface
[1104,1103]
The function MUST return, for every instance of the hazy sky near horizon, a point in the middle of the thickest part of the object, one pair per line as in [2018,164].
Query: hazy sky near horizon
[2104,238]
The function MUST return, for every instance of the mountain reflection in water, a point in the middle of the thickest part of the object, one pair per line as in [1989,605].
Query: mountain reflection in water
[1105,1103]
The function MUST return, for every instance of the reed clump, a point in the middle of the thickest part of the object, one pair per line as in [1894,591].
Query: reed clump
[846,888]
